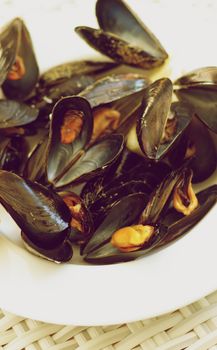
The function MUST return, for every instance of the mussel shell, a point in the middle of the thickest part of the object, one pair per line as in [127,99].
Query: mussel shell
[124,213]
[117,48]
[11,153]
[61,253]
[35,167]
[97,159]
[204,161]
[201,76]
[203,100]
[108,254]
[114,87]
[106,200]
[39,212]
[131,167]
[153,116]
[116,17]
[20,89]
[178,224]
[14,113]
[160,198]
[59,155]
[8,44]
[63,72]
[45,98]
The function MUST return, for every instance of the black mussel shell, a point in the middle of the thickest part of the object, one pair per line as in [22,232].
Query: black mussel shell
[95,160]
[11,153]
[63,72]
[204,160]
[8,44]
[160,124]
[14,113]
[61,155]
[20,86]
[204,76]
[62,253]
[116,48]
[116,17]
[41,214]
[106,200]
[45,98]
[108,254]
[160,198]
[153,117]
[178,224]
[131,167]
[199,89]
[124,213]
[114,87]
[35,167]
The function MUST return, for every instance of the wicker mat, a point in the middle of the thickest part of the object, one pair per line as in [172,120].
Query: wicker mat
[193,327]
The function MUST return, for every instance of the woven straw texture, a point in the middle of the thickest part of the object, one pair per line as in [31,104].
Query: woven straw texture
[193,327]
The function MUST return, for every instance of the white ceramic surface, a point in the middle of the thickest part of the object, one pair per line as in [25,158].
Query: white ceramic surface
[173,277]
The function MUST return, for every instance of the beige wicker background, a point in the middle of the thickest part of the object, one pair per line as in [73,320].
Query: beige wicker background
[193,327]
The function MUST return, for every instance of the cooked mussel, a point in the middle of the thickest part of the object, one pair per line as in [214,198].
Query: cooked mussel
[41,214]
[160,123]
[69,157]
[114,100]
[199,89]
[19,69]
[125,212]
[129,242]
[122,36]
[81,224]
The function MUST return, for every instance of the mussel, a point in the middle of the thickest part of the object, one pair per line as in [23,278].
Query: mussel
[19,70]
[158,223]
[41,214]
[160,123]
[198,88]
[122,36]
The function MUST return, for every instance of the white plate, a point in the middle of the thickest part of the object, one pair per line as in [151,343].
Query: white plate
[161,282]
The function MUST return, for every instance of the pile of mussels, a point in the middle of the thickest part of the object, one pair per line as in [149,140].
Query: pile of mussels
[67,177]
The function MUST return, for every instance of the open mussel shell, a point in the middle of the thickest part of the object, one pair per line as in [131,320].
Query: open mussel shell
[45,98]
[114,87]
[199,89]
[124,213]
[63,72]
[178,224]
[116,17]
[160,123]
[204,160]
[95,160]
[200,76]
[61,150]
[41,214]
[161,196]
[8,43]
[117,48]
[23,71]
[108,254]
[14,113]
